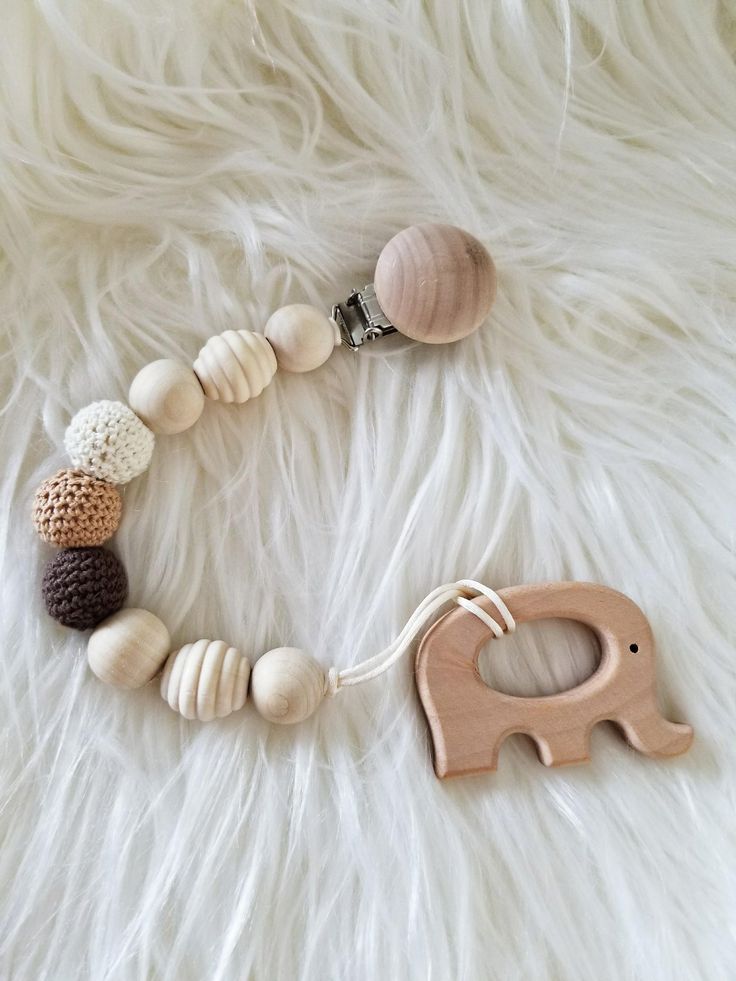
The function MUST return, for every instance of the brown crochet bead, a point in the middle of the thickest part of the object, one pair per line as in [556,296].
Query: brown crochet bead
[72,509]
[83,586]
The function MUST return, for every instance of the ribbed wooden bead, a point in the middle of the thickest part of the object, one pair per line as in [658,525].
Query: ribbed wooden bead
[167,396]
[128,649]
[235,366]
[287,685]
[435,283]
[205,680]
[72,510]
[303,337]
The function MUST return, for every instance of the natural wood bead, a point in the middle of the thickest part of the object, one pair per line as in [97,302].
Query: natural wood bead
[205,680]
[303,337]
[235,366]
[128,648]
[435,283]
[287,685]
[167,396]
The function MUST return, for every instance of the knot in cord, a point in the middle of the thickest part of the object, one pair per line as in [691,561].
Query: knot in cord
[332,682]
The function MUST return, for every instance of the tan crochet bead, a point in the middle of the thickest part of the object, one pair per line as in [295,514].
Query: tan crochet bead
[73,510]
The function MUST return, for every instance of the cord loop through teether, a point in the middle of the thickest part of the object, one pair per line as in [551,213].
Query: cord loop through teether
[455,591]
[472,607]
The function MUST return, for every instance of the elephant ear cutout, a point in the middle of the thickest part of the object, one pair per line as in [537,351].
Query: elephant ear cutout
[468,720]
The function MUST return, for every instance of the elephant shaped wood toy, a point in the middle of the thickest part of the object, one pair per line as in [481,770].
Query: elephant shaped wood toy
[469,721]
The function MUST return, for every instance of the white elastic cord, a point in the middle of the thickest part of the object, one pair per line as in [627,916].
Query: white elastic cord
[476,610]
[457,591]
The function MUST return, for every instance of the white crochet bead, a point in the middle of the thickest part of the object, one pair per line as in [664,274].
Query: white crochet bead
[109,441]
[235,366]
[205,680]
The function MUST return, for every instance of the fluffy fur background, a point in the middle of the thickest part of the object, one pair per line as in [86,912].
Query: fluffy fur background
[170,170]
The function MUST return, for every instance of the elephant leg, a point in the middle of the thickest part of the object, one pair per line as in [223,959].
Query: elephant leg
[454,756]
[654,735]
[563,747]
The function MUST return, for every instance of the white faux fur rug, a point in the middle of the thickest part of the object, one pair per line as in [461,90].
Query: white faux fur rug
[171,170]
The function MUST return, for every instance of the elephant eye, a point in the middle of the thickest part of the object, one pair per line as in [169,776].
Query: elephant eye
[634,648]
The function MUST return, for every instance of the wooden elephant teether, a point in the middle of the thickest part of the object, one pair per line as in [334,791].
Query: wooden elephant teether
[469,721]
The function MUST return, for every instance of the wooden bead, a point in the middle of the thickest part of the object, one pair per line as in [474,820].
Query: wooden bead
[167,396]
[303,337]
[235,366]
[205,680]
[435,283]
[287,685]
[128,648]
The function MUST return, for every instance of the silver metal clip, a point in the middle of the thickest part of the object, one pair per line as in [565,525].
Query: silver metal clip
[361,319]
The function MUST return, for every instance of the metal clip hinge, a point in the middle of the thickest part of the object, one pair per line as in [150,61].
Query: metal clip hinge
[361,319]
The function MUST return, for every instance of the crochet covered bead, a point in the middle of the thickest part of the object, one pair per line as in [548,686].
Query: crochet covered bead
[107,440]
[235,366]
[72,509]
[83,586]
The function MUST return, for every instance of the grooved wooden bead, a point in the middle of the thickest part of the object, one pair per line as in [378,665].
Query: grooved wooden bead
[167,396]
[128,648]
[303,337]
[435,283]
[205,680]
[235,366]
[287,685]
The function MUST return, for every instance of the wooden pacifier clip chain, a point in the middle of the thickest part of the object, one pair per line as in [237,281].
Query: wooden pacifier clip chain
[433,283]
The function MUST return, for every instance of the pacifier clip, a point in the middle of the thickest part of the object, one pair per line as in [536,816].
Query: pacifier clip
[435,284]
